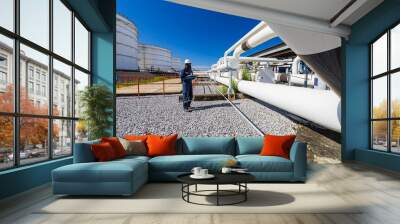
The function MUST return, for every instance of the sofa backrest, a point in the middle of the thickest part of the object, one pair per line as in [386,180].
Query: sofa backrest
[206,145]
[83,153]
[190,146]
[249,145]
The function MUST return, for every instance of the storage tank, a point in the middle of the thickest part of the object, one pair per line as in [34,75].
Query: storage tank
[177,64]
[127,44]
[154,58]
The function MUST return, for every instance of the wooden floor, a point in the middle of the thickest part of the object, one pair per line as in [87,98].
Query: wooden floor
[378,189]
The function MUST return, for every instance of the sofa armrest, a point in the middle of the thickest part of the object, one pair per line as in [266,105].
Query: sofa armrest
[83,152]
[298,155]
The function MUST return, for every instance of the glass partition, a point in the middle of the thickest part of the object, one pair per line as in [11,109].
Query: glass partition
[40,82]
[385,91]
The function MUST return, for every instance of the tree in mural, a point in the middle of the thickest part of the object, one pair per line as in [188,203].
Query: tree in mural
[6,122]
[33,131]
[395,123]
[81,130]
[380,128]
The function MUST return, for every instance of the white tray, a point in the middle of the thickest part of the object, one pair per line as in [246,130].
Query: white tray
[208,176]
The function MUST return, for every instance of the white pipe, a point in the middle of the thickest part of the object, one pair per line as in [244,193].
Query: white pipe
[256,29]
[318,106]
[253,38]
[295,65]
[272,60]
[269,15]
[258,38]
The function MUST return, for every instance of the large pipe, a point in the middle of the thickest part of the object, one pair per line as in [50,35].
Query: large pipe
[258,35]
[249,35]
[316,50]
[255,37]
[318,106]
[258,38]
[256,29]
[272,60]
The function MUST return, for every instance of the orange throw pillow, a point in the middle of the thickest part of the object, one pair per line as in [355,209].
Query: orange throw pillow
[116,145]
[161,145]
[136,137]
[103,152]
[277,145]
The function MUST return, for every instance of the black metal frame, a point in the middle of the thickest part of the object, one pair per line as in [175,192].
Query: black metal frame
[242,191]
[388,74]
[16,115]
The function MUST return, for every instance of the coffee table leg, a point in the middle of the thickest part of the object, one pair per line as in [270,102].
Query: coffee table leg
[217,194]
[245,193]
[188,189]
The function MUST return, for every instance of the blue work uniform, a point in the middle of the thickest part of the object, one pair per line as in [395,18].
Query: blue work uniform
[187,88]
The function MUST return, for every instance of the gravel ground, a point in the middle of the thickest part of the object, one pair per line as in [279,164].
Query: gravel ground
[269,121]
[164,115]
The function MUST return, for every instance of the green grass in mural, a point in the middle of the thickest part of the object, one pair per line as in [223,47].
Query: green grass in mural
[246,74]
[223,89]
[142,81]
[234,85]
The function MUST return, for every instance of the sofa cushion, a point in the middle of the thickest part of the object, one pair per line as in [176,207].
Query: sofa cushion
[83,152]
[207,145]
[257,163]
[185,163]
[116,145]
[161,145]
[103,152]
[136,137]
[249,145]
[134,147]
[275,145]
[112,171]
[133,158]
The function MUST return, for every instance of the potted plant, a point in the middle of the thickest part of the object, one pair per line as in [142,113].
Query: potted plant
[96,103]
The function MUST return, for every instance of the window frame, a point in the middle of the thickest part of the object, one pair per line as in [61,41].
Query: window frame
[3,70]
[388,74]
[16,114]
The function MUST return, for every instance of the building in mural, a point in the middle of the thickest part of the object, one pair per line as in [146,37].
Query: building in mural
[132,55]
[127,44]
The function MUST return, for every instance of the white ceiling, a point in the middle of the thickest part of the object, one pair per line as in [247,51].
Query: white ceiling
[319,9]
[308,14]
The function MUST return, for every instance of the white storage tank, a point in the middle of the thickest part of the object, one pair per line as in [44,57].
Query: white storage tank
[177,64]
[154,58]
[127,51]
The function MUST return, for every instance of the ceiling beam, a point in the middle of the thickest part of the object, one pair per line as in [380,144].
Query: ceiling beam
[269,16]
[347,11]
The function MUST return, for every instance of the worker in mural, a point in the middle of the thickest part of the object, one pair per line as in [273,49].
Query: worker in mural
[187,88]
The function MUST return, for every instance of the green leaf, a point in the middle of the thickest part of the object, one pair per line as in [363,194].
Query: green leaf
[96,102]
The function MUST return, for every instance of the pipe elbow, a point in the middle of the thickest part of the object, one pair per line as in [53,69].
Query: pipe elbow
[238,51]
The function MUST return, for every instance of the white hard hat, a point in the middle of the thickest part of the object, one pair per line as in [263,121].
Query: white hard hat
[187,61]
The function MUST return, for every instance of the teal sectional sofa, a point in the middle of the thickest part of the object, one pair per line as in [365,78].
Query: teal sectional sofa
[125,176]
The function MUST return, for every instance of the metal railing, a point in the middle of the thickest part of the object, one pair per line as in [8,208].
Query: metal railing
[145,83]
